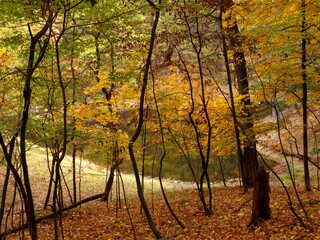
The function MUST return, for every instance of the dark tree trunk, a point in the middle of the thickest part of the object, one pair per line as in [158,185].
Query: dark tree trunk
[108,95]
[74,175]
[249,144]
[109,184]
[60,151]
[261,198]
[33,64]
[304,97]
[204,152]
[55,201]
[250,164]
[221,171]
[7,151]
[137,132]
[232,108]
[163,157]
[46,202]
[4,195]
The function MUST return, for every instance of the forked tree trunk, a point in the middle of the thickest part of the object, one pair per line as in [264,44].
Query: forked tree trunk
[33,63]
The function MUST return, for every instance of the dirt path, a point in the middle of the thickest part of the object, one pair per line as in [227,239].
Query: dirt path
[279,164]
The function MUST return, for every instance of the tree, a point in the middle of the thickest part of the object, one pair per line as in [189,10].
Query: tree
[304,96]
[75,87]
[140,122]
[283,63]
[261,199]
[33,63]
[240,66]
[233,109]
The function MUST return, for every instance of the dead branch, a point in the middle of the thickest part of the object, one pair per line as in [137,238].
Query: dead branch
[51,215]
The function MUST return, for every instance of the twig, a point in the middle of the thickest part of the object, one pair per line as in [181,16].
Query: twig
[242,205]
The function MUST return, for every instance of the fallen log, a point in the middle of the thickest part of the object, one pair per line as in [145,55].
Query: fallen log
[38,220]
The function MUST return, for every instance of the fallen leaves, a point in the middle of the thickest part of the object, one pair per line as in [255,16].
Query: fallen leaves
[232,212]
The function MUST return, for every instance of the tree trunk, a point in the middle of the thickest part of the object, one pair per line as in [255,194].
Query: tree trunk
[261,198]
[109,183]
[163,156]
[232,108]
[249,144]
[221,171]
[250,164]
[4,195]
[33,64]
[204,152]
[137,132]
[74,175]
[304,97]
[46,202]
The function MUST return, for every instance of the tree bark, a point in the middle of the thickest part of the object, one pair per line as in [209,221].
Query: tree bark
[109,183]
[261,198]
[304,97]
[4,195]
[116,161]
[137,132]
[249,143]
[163,156]
[232,108]
[51,170]
[33,63]
[74,176]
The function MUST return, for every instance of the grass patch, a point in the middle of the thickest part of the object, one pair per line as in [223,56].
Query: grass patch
[90,177]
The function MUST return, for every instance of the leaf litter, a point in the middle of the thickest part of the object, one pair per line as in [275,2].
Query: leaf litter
[231,213]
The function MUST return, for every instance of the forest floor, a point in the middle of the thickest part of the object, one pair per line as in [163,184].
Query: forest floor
[231,209]
[231,214]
